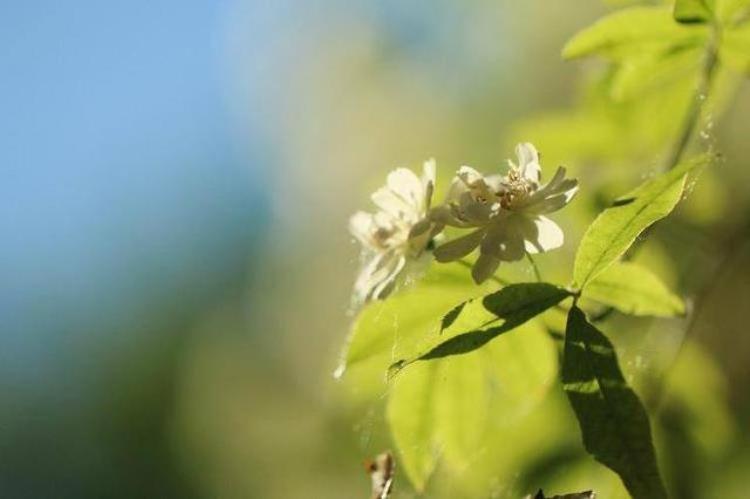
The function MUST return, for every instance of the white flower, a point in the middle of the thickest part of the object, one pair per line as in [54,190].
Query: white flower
[506,212]
[397,233]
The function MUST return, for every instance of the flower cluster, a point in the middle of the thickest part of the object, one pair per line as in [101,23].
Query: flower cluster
[399,232]
[505,215]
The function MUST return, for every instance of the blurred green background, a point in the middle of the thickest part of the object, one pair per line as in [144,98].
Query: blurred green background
[177,179]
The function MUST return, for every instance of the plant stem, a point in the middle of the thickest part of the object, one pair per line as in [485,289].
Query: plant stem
[692,117]
[534,266]
[691,120]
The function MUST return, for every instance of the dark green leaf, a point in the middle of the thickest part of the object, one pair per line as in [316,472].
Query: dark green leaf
[614,423]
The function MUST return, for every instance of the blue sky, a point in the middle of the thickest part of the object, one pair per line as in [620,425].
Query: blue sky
[128,176]
[122,177]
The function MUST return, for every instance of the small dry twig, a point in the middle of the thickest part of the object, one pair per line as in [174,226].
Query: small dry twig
[381,470]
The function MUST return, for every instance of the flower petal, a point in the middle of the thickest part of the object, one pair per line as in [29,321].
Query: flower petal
[459,247]
[550,204]
[505,239]
[558,185]
[388,283]
[377,278]
[476,183]
[428,181]
[469,176]
[528,162]
[455,190]
[407,185]
[544,236]
[484,267]
[475,212]
[552,196]
[368,277]
[420,228]
[446,215]
[420,235]
[393,204]
[360,226]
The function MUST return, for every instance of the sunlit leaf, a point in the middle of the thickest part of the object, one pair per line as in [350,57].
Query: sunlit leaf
[633,289]
[451,316]
[730,12]
[614,424]
[410,319]
[441,411]
[615,229]
[514,305]
[623,117]
[633,31]
[727,12]
[693,11]
[411,418]
[652,71]
[735,49]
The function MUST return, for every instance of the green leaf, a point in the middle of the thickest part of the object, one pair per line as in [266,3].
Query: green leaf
[653,71]
[443,411]
[514,304]
[411,418]
[409,319]
[634,290]
[618,120]
[729,12]
[614,424]
[692,11]
[735,49]
[636,31]
[615,229]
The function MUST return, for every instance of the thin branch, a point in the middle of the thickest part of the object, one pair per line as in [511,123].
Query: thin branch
[692,117]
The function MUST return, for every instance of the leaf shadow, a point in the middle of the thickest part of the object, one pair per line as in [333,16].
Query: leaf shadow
[452,315]
[515,304]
